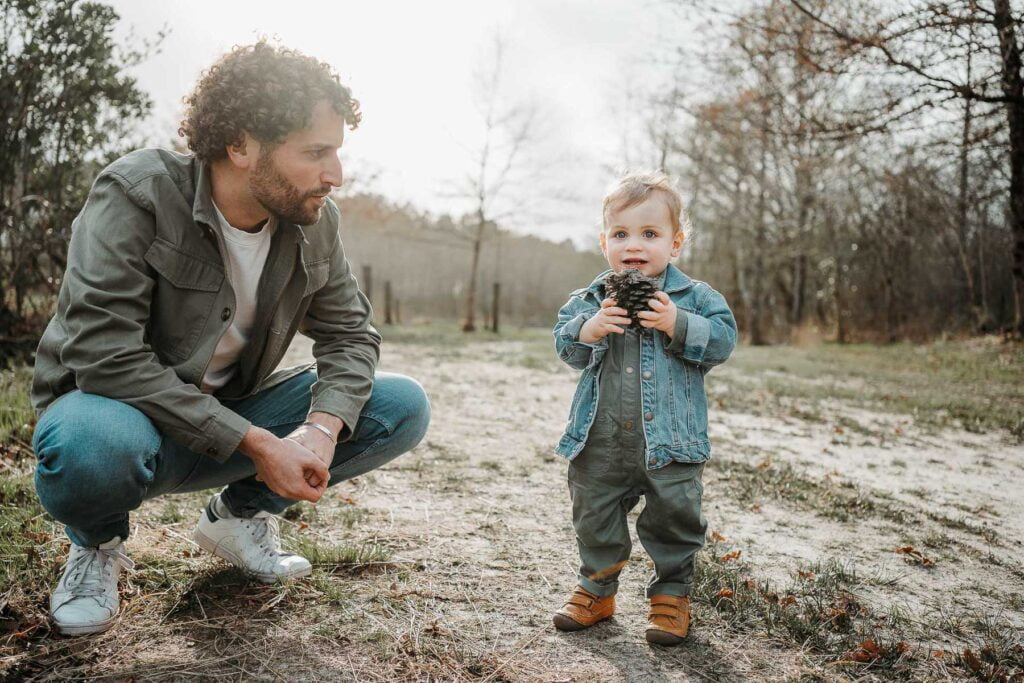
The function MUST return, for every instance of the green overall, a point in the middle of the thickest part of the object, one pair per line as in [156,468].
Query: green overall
[610,474]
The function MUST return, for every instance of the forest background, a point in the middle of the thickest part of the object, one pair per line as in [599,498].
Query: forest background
[853,171]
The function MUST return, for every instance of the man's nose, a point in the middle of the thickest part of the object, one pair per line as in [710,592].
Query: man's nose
[332,174]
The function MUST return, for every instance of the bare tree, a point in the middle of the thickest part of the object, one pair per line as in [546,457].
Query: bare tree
[509,128]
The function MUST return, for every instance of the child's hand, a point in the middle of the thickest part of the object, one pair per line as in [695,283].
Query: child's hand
[662,315]
[607,320]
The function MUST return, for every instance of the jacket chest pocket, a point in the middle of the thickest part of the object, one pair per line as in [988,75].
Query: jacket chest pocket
[316,276]
[183,299]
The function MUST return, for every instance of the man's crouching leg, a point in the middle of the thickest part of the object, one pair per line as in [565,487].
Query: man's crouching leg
[96,462]
[239,523]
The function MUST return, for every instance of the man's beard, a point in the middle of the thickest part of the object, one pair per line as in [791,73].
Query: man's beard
[278,196]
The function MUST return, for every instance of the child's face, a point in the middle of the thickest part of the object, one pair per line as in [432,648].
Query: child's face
[641,237]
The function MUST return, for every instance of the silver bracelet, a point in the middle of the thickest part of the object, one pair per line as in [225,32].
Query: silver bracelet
[325,430]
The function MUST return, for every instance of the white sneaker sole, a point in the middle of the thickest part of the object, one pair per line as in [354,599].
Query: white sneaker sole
[84,629]
[211,546]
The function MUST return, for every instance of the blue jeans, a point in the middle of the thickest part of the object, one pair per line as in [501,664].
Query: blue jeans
[99,459]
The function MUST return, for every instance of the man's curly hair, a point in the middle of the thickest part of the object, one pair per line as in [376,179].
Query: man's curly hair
[262,90]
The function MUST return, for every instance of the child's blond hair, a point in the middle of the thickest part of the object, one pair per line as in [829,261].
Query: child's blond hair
[634,188]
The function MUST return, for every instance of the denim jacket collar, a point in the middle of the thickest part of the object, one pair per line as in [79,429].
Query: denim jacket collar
[675,281]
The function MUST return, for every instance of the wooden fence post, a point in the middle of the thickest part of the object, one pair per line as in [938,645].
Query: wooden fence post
[368,283]
[494,319]
[388,320]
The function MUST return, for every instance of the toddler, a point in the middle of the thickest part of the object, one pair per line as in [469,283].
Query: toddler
[638,422]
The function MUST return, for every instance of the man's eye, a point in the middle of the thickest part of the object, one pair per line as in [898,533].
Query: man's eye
[316,153]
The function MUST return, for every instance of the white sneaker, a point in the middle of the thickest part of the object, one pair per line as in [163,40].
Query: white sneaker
[85,600]
[253,545]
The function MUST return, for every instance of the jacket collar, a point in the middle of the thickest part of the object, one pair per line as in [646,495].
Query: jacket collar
[675,281]
[202,206]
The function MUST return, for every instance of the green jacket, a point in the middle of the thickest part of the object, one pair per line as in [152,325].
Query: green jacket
[145,300]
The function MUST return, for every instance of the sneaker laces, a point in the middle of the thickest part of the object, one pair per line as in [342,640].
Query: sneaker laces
[88,567]
[266,531]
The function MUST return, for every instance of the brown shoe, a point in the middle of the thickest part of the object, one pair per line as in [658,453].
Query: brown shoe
[582,610]
[668,622]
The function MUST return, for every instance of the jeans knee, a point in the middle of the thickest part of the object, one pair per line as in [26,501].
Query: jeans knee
[92,452]
[414,412]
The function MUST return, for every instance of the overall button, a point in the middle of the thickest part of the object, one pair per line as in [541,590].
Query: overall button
[628,424]
[648,416]
[212,450]
[629,370]
[225,314]
[646,374]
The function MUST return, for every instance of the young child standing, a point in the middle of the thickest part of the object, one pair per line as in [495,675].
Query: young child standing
[638,423]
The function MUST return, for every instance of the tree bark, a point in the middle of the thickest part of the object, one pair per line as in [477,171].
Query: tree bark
[1013,88]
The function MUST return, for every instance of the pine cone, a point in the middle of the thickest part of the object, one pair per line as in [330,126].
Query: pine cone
[631,290]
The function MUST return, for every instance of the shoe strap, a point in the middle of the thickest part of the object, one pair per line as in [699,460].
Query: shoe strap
[582,598]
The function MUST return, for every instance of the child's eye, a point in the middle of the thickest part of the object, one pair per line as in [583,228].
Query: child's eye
[621,234]
[650,234]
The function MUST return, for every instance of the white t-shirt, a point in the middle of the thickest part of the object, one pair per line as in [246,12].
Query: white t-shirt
[244,258]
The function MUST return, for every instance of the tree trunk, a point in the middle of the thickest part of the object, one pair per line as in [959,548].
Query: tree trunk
[1013,88]
[470,323]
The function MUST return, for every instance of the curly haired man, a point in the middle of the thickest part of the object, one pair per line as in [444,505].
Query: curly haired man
[187,277]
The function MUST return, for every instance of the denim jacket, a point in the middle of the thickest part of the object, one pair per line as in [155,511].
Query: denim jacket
[675,407]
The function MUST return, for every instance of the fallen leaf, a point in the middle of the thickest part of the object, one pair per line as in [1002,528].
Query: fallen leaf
[755,508]
[725,593]
[729,557]
[806,576]
[839,430]
[765,464]
[971,660]
[788,600]
[938,654]
[717,537]
[867,651]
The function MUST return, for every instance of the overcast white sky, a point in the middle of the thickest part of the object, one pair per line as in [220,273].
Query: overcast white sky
[411,64]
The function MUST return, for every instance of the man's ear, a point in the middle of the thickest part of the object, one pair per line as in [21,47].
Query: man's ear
[244,154]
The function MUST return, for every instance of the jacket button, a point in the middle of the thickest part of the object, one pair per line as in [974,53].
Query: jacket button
[212,450]
[628,424]
[648,416]
[225,314]
[647,374]
[629,370]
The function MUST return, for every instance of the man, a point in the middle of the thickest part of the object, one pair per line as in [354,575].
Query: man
[187,278]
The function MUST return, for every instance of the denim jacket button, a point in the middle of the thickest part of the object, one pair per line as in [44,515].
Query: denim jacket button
[648,416]
[647,374]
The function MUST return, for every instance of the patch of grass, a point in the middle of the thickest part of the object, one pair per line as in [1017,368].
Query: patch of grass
[351,557]
[31,555]
[842,501]
[819,611]
[17,419]
[976,384]
[170,513]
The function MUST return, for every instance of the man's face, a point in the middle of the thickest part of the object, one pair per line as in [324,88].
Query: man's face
[292,180]
[641,237]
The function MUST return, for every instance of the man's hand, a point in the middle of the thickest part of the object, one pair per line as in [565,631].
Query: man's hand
[607,320]
[286,466]
[321,445]
[662,315]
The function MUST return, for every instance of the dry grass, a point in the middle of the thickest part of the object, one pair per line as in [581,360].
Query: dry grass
[446,564]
